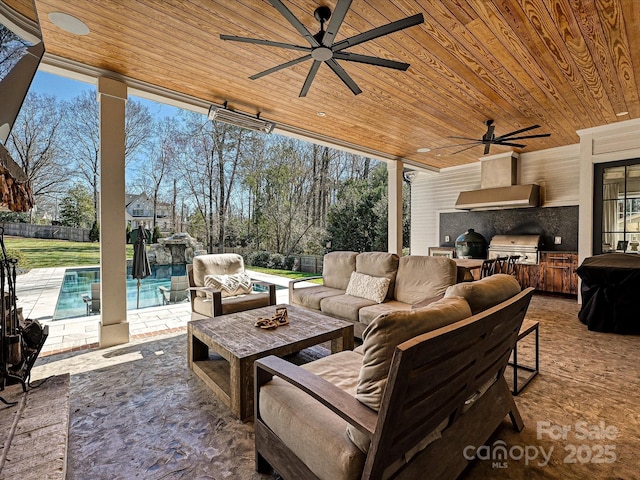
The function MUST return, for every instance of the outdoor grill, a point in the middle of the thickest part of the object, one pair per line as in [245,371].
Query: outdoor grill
[526,246]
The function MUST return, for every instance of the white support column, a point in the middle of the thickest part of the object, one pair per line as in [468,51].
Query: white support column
[394,181]
[114,328]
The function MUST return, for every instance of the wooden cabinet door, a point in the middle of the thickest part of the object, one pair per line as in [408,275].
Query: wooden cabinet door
[528,275]
[558,272]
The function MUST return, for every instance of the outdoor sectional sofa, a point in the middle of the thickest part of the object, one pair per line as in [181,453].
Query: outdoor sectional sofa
[412,281]
[424,389]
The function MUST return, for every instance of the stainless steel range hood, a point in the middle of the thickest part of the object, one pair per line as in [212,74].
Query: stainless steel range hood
[499,187]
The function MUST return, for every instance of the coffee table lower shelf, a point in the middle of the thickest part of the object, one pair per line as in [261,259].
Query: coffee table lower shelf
[216,374]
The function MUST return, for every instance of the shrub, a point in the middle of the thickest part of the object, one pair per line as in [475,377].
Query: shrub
[156,234]
[18,256]
[276,260]
[94,233]
[290,262]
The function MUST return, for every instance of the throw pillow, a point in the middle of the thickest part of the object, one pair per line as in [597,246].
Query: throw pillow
[366,286]
[229,285]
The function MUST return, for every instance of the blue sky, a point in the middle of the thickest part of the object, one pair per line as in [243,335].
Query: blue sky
[65,89]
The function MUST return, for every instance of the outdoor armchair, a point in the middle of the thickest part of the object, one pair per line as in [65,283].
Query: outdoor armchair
[177,291]
[219,285]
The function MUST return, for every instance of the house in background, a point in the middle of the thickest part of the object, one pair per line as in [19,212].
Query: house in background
[139,211]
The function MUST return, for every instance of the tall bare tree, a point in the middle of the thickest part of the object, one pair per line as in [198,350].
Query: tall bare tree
[83,136]
[36,143]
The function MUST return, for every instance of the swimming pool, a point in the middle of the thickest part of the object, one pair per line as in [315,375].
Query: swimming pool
[77,282]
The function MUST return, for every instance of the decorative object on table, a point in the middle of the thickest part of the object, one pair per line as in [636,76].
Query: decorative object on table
[140,266]
[281,317]
[471,245]
[622,245]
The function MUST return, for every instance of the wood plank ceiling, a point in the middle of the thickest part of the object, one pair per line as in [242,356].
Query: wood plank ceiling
[563,64]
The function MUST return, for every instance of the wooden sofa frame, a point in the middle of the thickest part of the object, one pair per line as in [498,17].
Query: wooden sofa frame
[433,377]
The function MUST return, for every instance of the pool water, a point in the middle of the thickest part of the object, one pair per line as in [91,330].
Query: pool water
[77,282]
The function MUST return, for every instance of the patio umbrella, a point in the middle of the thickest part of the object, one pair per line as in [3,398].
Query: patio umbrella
[140,267]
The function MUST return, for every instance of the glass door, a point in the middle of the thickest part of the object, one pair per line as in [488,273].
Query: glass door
[617,207]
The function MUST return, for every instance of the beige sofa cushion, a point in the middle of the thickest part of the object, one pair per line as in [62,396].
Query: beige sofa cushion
[337,268]
[379,264]
[366,315]
[389,330]
[315,434]
[310,297]
[421,277]
[486,292]
[344,306]
[215,264]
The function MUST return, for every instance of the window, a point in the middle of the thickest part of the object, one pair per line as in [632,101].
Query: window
[617,207]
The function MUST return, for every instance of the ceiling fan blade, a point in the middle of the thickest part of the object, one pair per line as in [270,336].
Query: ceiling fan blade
[465,149]
[380,62]
[297,24]
[378,32]
[337,17]
[526,136]
[522,130]
[458,145]
[466,138]
[280,67]
[268,43]
[344,76]
[310,76]
[508,144]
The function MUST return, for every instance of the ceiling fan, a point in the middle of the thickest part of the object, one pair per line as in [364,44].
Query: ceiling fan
[489,138]
[324,49]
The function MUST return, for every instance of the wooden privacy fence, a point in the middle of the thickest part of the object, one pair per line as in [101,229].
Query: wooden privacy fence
[58,232]
[301,263]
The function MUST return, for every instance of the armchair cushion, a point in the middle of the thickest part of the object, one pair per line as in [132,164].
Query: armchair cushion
[229,285]
[294,417]
[215,264]
[369,287]
[486,292]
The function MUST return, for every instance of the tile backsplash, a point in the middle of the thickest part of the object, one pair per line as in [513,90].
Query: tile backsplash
[550,222]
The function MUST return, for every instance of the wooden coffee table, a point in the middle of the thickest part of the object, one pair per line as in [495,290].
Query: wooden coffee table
[237,343]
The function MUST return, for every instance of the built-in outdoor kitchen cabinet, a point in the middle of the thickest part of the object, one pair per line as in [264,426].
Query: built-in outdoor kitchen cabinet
[528,275]
[558,272]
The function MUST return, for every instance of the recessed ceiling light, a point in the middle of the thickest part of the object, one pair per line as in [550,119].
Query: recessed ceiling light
[621,114]
[321,114]
[69,23]
[423,150]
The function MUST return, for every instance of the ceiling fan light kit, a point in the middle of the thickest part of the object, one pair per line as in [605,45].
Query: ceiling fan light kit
[323,48]
[221,113]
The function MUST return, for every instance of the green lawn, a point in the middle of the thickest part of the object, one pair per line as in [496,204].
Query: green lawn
[45,253]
